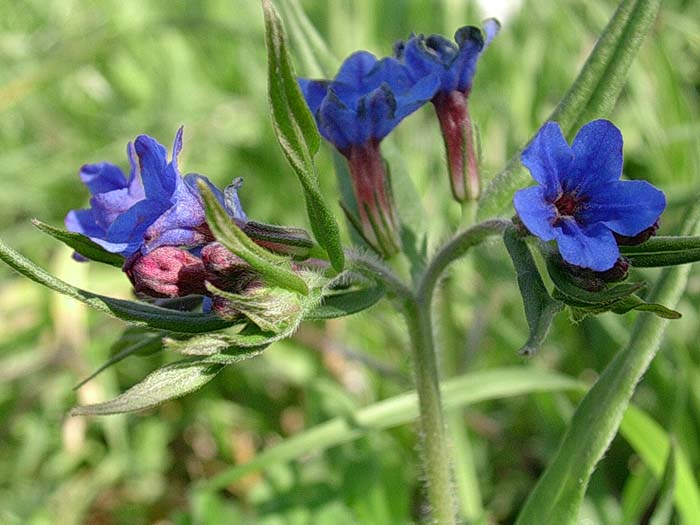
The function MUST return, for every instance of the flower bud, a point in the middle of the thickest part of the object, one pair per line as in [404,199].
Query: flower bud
[226,270]
[271,309]
[462,162]
[593,281]
[283,240]
[640,238]
[166,272]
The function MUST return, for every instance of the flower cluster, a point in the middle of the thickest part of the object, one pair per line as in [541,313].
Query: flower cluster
[580,202]
[154,207]
[369,97]
[157,221]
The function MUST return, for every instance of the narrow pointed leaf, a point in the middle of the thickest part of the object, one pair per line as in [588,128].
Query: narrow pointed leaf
[592,95]
[171,381]
[136,313]
[345,303]
[540,308]
[297,134]
[81,244]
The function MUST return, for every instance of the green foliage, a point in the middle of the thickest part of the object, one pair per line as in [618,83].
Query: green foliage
[297,134]
[79,79]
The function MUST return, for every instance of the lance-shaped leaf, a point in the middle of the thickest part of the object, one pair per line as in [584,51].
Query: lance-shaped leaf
[663,251]
[296,132]
[168,382]
[592,95]
[81,244]
[136,313]
[276,270]
[540,308]
[344,303]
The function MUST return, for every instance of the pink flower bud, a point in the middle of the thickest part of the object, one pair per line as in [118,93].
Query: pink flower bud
[226,270]
[166,272]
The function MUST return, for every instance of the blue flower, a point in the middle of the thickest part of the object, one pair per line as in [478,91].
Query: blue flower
[580,201]
[454,65]
[366,100]
[155,207]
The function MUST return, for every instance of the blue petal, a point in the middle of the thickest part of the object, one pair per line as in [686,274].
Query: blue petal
[152,160]
[491,29]
[102,177]
[380,108]
[423,91]
[355,68]
[83,221]
[314,92]
[391,72]
[135,185]
[185,214]
[128,229]
[471,43]
[339,124]
[547,157]
[108,206]
[419,61]
[591,247]
[597,161]
[537,214]
[232,201]
[626,207]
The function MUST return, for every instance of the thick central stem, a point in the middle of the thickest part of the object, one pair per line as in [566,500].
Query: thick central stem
[436,462]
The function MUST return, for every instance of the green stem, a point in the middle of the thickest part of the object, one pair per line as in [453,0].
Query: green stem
[436,463]
[455,249]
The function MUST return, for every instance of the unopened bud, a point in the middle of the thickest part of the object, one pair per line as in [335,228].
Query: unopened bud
[226,270]
[596,281]
[166,272]
[271,309]
[640,238]
[283,240]
[453,114]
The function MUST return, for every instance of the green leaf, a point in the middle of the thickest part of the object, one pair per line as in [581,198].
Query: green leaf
[540,308]
[144,343]
[634,302]
[226,345]
[81,244]
[592,95]
[461,391]
[136,313]
[558,495]
[652,444]
[276,270]
[344,303]
[296,132]
[168,382]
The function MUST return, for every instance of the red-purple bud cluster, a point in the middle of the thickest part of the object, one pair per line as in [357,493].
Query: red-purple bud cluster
[166,272]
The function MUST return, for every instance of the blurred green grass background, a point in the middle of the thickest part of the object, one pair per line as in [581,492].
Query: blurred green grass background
[78,79]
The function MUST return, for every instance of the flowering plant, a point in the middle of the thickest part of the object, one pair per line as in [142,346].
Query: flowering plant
[215,286]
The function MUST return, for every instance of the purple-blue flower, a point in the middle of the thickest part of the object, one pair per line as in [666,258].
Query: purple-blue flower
[154,207]
[454,64]
[366,100]
[355,111]
[580,202]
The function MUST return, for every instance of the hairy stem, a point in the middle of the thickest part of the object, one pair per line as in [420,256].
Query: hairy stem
[436,462]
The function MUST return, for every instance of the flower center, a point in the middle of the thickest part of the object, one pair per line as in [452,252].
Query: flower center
[567,204]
